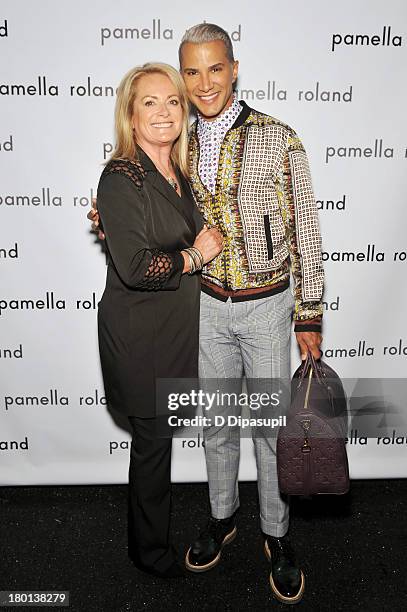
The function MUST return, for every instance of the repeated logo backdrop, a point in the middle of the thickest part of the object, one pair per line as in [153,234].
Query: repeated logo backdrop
[330,71]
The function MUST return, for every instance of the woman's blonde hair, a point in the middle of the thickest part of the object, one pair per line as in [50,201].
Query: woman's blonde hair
[126,93]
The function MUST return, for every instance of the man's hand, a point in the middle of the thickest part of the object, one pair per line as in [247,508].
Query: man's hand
[93,216]
[309,342]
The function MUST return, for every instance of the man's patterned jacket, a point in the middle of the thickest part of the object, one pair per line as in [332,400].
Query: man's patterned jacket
[264,206]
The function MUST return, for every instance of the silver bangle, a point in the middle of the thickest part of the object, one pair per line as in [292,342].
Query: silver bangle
[199,255]
[195,258]
[192,264]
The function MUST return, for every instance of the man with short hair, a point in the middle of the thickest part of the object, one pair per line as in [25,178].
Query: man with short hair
[250,177]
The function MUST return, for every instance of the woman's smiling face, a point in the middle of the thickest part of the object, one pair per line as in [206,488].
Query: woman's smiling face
[157,111]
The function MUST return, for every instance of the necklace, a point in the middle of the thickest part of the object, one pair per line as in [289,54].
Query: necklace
[172,182]
[168,178]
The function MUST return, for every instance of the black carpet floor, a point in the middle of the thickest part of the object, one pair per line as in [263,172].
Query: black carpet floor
[352,550]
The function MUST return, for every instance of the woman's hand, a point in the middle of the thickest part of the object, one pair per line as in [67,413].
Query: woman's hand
[209,242]
[93,215]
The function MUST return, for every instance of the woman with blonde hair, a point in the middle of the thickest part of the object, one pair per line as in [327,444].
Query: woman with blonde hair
[149,312]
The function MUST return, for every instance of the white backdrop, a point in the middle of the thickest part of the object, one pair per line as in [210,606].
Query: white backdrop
[331,70]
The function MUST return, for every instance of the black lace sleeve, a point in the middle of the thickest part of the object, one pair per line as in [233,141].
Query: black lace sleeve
[122,207]
[159,270]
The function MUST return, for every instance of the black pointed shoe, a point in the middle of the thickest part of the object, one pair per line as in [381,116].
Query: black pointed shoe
[205,552]
[175,570]
[286,579]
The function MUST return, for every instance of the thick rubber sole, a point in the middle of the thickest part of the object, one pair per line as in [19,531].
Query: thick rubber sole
[204,568]
[282,598]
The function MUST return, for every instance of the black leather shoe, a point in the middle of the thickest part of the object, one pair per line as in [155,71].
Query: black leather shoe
[286,579]
[173,571]
[205,552]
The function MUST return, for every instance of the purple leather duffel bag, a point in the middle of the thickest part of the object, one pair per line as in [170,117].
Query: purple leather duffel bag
[311,452]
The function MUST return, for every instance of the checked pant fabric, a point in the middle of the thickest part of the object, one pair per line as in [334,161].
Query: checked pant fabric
[250,338]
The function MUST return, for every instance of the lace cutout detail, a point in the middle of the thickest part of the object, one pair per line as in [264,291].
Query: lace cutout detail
[158,272]
[161,264]
[127,167]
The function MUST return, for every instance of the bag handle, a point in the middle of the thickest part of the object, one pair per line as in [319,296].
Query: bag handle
[315,364]
[312,368]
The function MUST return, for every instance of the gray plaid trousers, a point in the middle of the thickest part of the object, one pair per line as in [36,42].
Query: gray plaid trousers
[251,339]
